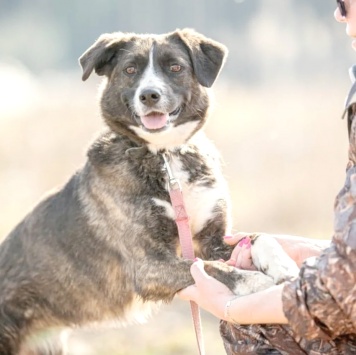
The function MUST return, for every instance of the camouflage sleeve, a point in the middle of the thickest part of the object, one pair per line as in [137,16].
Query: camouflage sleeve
[321,302]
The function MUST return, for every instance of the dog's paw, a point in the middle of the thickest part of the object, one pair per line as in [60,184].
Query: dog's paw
[270,258]
[241,282]
[247,282]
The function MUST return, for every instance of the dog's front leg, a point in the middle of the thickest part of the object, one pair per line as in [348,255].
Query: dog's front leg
[160,280]
[209,243]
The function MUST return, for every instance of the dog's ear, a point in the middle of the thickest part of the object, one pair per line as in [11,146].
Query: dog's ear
[102,55]
[207,55]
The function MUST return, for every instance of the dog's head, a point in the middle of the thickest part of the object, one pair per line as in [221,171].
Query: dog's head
[156,88]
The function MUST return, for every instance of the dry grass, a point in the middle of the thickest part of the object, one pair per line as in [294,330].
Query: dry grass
[284,149]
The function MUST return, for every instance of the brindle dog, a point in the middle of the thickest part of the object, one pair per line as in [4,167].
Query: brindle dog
[106,244]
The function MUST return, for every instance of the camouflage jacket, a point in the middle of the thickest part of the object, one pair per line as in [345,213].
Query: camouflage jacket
[321,303]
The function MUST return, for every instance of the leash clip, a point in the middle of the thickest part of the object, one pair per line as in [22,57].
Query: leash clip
[173,183]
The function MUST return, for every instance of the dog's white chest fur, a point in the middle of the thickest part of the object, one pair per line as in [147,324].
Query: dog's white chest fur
[200,197]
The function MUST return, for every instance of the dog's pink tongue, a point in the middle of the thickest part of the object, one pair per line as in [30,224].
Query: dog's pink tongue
[154,120]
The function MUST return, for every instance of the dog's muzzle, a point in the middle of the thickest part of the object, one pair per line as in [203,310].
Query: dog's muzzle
[156,121]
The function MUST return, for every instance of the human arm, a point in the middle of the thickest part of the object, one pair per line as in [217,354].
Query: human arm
[321,303]
[298,248]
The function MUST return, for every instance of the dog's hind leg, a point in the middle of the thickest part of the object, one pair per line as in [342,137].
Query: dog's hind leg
[9,336]
[50,342]
[15,340]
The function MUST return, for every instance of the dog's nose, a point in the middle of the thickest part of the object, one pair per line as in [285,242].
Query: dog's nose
[150,97]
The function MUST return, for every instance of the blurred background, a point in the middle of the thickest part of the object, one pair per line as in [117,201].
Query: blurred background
[277,120]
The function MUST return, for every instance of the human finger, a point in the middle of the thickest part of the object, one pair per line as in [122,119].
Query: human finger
[189,293]
[244,258]
[199,275]
[236,238]
[198,272]
[244,243]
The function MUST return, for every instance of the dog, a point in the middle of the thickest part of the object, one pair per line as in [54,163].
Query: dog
[105,247]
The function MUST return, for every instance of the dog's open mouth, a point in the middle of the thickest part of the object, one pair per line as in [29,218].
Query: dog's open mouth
[158,120]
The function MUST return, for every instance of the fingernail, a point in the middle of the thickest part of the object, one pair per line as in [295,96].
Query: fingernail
[247,243]
[221,260]
[242,242]
[228,236]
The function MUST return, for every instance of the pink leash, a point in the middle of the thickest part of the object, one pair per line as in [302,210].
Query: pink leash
[186,242]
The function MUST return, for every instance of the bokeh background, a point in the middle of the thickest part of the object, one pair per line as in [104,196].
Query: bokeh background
[277,120]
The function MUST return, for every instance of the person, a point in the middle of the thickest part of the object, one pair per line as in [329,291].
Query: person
[314,313]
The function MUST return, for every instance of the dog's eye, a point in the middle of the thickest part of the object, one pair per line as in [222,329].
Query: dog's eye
[175,68]
[131,70]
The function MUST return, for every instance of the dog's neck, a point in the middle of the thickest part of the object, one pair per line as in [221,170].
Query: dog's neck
[170,140]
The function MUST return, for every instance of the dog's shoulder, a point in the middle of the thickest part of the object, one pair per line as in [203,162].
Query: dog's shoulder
[204,147]
[109,148]
[202,158]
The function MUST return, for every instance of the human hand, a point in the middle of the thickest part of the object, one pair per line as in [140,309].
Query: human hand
[300,248]
[209,293]
[216,298]
[241,255]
